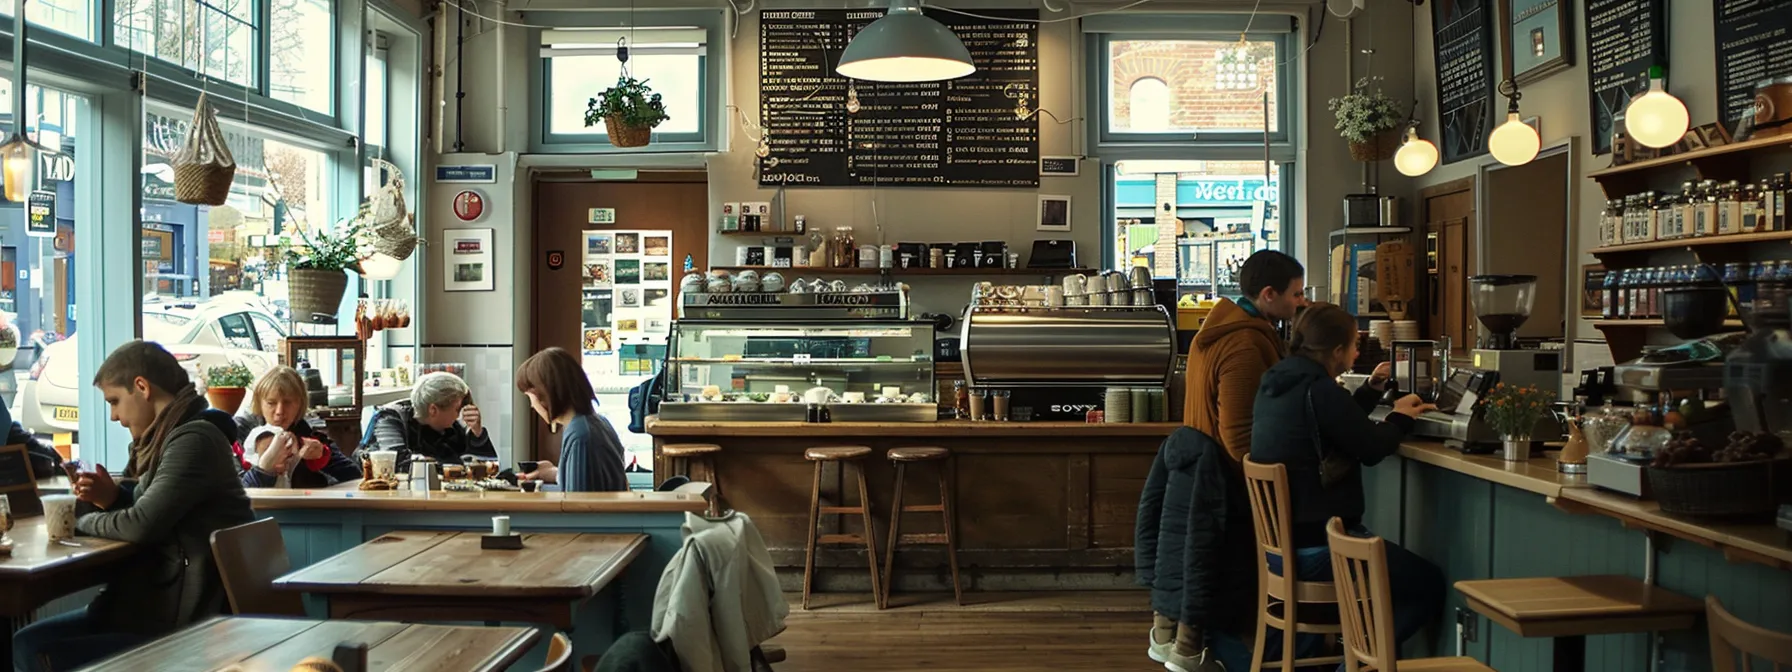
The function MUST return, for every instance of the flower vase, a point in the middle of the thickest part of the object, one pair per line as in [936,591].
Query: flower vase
[1515,448]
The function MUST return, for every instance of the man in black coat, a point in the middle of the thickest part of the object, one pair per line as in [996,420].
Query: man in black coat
[1191,547]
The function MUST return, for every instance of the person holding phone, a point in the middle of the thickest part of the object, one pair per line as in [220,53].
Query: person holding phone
[301,452]
[591,455]
[1305,420]
[439,421]
[179,487]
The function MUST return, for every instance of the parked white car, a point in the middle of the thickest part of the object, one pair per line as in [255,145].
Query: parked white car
[227,328]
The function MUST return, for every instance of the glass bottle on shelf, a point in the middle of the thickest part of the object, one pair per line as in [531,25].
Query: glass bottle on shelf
[1729,208]
[1705,213]
[1748,211]
[1687,216]
[1606,237]
[1613,279]
[1782,185]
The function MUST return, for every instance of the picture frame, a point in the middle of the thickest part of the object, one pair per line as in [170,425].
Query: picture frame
[1712,134]
[1692,141]
[1536,39]
[1592,282]
[468,261]
[1054,213]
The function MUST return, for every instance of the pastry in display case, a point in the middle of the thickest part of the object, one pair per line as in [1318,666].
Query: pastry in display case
[777,370]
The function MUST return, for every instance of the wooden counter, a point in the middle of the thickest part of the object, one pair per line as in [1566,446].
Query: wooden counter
[1759,542]
[1039,505]
[350,496]
[1536,475]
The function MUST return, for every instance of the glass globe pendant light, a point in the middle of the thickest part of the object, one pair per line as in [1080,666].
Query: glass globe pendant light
[1513,143]
[1417,155]
[905,46]
[17,154]
[1656,119]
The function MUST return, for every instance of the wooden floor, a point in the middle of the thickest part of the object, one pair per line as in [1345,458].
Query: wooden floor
[993,632]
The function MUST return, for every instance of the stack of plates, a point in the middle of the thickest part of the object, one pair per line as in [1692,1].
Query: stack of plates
[1117,405]
[1383,331]
[1406,330]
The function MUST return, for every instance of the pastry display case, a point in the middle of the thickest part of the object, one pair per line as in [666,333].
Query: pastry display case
[785,370]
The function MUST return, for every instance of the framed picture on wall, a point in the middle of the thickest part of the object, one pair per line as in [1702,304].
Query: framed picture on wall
[1536,34]
[1592,290]
[1054,213]
[468,259]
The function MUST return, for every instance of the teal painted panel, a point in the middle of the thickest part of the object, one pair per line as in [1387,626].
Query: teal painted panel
[1449,521]
[1381,498]
[1756,593]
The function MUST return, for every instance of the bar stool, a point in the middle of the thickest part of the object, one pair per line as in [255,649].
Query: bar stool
[1361,569]
[683,455]
[901,457]
[843,455]
[1267,485]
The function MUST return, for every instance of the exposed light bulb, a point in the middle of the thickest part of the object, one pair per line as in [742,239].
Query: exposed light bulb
[380,266]
[15,164]
[852,99]
[1417,155]
[1656,119]
[1514,143]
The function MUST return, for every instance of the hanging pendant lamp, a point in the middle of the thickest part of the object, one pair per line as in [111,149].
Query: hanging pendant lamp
[1656,119]
[16,155]
[1417,155]
[905,46]
[1514,143]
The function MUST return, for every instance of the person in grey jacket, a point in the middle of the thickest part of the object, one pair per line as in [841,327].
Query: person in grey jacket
[591,455]
[185,488]
[439,421]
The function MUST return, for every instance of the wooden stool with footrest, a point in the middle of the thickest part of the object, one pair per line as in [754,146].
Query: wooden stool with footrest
[683,455]
[841,455]
[1284,593]
[902,457]
[1366,608]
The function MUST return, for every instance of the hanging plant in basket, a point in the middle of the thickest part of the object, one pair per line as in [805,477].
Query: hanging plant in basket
[390,228]
[1369,120]
[317,269]
[629,112]
[204,168]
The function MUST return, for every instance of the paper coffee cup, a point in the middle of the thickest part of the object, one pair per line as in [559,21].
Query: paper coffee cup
[385,462]
[59,516]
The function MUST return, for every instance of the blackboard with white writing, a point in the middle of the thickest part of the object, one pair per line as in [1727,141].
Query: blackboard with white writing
[1463,53]
[822,129]
[1624,38]
[1754,44]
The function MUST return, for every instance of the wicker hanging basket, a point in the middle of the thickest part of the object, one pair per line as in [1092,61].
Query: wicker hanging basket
[624,135]
[1379,148]
[204,168]
[391,229]
[313,292]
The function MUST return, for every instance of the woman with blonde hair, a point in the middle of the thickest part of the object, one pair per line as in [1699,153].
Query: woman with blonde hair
[299,453]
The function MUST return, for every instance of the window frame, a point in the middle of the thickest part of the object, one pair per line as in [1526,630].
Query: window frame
[712,68]
[1100,71]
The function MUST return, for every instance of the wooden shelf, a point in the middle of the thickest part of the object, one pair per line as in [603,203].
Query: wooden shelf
[905,272]
[1695,156]
[1371,231]
[1606,324]
[1729,162]
[764,234]
[1691,243]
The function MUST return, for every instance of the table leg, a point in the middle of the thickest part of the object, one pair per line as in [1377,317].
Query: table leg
[1570,654]
[12,628]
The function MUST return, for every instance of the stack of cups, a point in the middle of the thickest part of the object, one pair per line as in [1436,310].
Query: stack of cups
[1382,330]
[1117,405]
[1405,330]
[1141,404]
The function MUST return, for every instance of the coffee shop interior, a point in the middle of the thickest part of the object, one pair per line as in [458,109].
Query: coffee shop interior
[746,335]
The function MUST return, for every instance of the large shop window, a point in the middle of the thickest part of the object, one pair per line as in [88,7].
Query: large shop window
[74,17]
[39,370]
[214,37]
[677,62]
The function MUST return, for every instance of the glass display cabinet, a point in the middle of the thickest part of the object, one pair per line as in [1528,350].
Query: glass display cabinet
[860,370]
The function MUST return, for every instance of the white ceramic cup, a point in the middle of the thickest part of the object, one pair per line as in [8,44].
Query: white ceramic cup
[853,397]
[59,516]
[385,462]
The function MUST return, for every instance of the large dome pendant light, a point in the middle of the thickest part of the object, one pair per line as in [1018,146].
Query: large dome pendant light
[16,155]
[1417,155]
[905,46]
[1656,119]
[1514,143]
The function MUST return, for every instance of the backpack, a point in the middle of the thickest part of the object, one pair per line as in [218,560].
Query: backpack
[644,399]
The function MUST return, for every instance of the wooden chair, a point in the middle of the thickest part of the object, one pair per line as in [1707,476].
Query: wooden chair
[249,557]
[842,455]
[685,455]
[559,654]
[1731,636]
[1282,596]
[1365,605]
[901,457]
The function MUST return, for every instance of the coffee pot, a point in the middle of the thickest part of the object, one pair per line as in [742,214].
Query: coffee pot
[425,476]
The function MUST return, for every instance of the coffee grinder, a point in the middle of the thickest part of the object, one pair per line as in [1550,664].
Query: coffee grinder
[1502,303]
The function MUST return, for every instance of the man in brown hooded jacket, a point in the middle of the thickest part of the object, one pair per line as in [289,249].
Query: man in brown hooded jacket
[1236,344]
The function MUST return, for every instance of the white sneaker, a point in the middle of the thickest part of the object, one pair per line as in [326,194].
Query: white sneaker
[1161,652]
[1203,662]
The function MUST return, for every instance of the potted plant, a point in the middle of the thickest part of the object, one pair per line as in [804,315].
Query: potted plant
[317,269]
[225,386]
[9,340]
[1369,120]
[1512,411]
[629,111]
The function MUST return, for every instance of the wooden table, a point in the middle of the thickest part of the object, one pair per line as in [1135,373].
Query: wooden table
[39,571]
[1570,608]
[277,644]
[446,576]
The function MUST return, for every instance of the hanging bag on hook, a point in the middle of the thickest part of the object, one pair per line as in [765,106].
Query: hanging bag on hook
[391,229]
[204,168]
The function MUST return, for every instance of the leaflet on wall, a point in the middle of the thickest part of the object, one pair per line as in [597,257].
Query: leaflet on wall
[657,245]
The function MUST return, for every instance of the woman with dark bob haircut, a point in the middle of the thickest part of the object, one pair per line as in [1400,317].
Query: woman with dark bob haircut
[590,452]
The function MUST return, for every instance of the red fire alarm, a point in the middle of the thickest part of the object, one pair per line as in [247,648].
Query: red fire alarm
[469,205]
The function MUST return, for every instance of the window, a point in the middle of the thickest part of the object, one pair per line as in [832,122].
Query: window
[678,62]
[1195,221]
[237,332]
[267,334]
[1219,86]
[74,17]
[216,38]
[373,134]
[303,65]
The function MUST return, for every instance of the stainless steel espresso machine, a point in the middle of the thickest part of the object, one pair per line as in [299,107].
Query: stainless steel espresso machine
[1058,362]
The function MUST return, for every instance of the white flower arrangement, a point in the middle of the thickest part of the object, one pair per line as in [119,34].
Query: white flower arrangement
[1364,113]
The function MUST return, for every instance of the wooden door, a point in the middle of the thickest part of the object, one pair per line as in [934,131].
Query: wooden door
[1449,216]
[673,202]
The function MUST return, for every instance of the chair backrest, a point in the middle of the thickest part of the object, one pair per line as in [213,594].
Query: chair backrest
[1267,485]
[249,557]
[1365,607]
[1731,636]
[559,654]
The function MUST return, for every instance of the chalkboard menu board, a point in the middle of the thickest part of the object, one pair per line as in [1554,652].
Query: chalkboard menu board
[1754,43]
[976,131]
[1624,38]
[1463,35]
